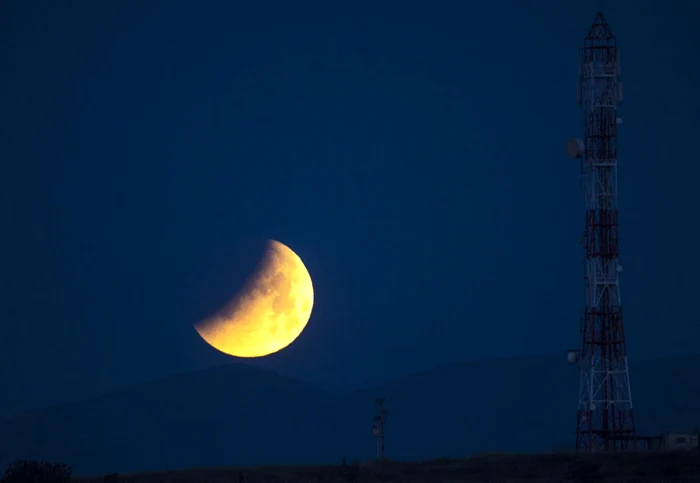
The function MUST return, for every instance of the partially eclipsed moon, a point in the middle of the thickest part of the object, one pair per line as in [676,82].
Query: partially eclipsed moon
[269,312]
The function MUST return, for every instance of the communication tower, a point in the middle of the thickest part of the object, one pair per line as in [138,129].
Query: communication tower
[378,427]
[605,419]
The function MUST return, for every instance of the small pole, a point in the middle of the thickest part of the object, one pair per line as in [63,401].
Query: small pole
[378,427]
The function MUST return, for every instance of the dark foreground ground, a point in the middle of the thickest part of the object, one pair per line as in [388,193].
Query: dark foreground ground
[544,468]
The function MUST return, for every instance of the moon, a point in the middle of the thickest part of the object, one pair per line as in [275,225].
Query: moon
[270,310]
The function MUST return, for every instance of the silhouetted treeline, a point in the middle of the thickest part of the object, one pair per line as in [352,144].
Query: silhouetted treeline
[34,471]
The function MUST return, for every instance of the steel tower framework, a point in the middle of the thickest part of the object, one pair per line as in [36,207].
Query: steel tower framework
[605,414]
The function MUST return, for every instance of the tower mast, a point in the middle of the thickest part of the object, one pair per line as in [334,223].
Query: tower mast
[378,427]
[605,415]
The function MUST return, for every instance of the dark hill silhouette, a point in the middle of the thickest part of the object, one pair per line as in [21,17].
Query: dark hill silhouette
[231,412]
[240,415]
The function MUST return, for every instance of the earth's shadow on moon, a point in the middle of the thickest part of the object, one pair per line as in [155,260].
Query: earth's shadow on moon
[215,282]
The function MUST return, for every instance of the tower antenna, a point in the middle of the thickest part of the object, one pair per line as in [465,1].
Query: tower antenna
[378,427]
[605,419]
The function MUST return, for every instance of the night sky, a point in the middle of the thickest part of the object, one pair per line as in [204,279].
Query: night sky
[412,153]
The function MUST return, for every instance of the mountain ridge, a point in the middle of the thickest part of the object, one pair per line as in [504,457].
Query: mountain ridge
[239,415]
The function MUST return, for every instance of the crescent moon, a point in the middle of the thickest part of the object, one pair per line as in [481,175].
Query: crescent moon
[269,312]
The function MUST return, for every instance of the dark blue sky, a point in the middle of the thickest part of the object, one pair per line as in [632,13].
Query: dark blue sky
[412,153]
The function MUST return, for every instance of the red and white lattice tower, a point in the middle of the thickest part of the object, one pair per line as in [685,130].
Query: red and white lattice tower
[605,416]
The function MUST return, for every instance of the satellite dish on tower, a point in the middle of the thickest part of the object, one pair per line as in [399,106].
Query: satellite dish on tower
[575,148]
[573,357]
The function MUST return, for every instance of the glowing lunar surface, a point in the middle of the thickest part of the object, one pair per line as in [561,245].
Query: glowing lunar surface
[269,312]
